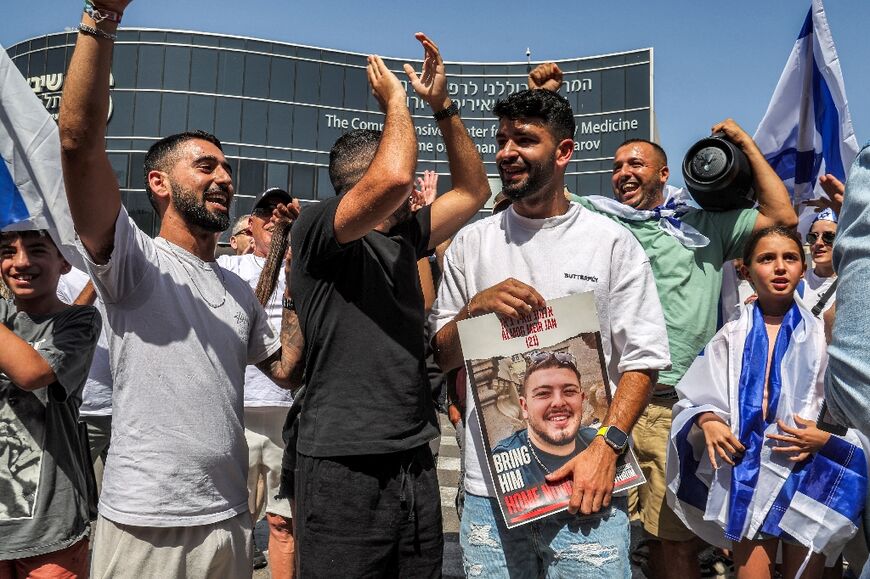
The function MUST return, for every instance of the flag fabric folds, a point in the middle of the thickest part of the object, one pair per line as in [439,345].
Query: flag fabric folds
[32,194]
[807,130]
[817,502]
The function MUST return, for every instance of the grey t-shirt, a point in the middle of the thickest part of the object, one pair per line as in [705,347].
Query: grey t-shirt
[181,332]
[43,498]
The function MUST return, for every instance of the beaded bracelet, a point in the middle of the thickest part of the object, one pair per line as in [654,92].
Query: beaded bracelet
[91,31]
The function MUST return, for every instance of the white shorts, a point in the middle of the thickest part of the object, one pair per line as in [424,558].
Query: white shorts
[263,431]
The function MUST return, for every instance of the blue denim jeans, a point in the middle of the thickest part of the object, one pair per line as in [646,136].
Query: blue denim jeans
[561,545]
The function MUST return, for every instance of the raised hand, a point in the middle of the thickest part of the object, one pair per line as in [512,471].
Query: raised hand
[734,133]
[719,438]
[425,191]
[511,298]
[431,83]
[835,189]
[286,213]
[803,441]
[386,87]
[547,76]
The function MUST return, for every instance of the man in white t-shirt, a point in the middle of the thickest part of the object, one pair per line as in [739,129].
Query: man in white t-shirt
[181,332]
[266,404]
[548,247]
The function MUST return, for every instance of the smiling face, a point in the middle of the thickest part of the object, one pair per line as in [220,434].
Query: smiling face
[822,252]
[31,266]
[526,158]
[199,186]
[639,176]
[775,268]
[552,403]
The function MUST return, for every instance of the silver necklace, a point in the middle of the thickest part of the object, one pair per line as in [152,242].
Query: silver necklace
[535,456]
[196,285]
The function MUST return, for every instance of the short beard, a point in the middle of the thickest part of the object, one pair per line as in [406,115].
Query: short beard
[194,212]
[537,177]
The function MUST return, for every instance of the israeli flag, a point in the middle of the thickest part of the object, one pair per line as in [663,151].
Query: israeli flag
[32,194]
[807,130]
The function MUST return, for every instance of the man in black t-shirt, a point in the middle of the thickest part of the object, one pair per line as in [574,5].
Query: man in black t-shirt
[367,498]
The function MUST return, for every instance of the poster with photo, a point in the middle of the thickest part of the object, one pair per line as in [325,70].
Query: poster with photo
[541,391]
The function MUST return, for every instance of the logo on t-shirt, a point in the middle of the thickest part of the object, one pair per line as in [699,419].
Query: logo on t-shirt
[242,324]
[580,276]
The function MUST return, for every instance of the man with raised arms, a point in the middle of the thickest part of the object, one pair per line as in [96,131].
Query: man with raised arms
[181,332]
[367,498]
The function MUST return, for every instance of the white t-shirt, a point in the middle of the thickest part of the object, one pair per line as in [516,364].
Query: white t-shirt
[181,332]
[97,394]
[814,287]
[568,254]
[260,390]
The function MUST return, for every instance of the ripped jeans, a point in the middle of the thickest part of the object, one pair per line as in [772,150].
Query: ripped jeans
[561,545]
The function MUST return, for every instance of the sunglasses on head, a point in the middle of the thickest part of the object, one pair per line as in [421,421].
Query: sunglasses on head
[242,232]
[827,237]
[540,356]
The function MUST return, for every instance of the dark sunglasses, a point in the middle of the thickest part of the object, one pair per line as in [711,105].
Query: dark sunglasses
[540,356]
[827,237]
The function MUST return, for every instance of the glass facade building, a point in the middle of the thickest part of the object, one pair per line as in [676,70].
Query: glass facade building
[278,107]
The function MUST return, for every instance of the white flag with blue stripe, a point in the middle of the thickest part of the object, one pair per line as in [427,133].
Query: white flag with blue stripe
[32,194]
[807,130]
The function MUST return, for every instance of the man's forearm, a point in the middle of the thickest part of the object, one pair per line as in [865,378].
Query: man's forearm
[631,398]
[91,185]
[467,174]
[448,351]
[773,199]
[290,366]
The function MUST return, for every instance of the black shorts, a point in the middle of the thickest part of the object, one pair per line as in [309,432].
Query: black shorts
[368,516]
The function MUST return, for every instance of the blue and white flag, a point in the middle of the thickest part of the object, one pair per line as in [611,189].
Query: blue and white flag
[817,502]
[32,194]
[807,130]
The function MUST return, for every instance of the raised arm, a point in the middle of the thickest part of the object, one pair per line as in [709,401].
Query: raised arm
[470,186]
[390,178]
[91,185]
[774,204]
[286,365]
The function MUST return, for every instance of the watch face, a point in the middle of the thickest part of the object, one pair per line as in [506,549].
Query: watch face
[616,437]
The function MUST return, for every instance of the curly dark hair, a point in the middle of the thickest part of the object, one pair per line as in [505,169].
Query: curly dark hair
[552,108]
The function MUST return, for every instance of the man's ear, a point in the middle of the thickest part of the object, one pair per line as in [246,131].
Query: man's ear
[523,407]
[664,173]
[158,182]
[564,151]
[65,268]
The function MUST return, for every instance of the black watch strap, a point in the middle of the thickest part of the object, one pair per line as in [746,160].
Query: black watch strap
[450,111]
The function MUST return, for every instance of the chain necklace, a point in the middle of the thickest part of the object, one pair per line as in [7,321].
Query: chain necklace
[535,456]
[218,272]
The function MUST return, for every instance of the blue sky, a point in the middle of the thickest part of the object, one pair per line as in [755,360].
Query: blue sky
[712,60]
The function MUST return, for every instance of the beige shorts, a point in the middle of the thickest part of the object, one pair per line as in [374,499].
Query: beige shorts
[648,502]
[263,432]
[218,550]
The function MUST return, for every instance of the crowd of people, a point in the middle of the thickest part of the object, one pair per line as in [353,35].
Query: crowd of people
[155,405]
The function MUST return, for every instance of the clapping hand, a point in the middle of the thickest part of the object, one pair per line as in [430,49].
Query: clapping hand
[425,191]
[431,83]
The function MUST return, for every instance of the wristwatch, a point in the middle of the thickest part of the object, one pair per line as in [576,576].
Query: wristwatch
[615,437]
[288,304]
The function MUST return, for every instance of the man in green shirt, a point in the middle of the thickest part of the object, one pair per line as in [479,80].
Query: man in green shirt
[688,276]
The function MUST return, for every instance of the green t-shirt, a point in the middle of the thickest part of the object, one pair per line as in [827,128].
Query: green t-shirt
[689,280]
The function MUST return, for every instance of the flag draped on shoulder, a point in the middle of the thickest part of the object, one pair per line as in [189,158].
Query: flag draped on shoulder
[32,194]
[807,131]
[817,502]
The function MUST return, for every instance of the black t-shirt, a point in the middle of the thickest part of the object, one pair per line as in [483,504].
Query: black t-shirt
[361,310]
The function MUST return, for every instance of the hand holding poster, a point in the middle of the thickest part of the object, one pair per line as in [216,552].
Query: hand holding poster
[540,389]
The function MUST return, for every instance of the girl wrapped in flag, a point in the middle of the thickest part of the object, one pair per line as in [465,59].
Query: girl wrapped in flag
[747,466]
